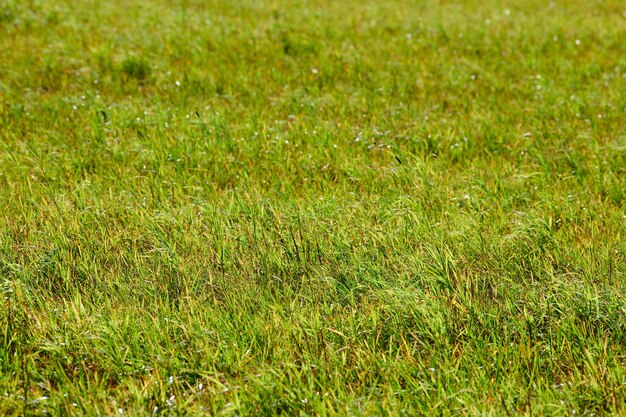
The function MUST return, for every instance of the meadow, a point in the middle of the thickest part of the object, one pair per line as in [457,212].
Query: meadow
[319,207]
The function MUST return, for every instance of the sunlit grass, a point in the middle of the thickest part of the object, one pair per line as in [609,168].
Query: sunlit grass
[312,208]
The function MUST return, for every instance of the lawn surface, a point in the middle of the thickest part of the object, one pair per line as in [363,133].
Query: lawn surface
[312,207]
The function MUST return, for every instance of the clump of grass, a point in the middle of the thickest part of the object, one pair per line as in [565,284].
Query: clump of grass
[136,68]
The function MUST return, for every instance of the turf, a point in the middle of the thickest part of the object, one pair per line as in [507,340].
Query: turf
[312,207]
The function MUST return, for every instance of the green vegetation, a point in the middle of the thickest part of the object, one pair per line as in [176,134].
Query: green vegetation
[312,208]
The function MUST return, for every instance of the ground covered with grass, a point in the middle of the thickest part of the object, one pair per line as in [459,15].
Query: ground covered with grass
[312,208]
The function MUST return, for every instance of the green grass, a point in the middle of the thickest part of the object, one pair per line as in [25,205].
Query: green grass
[312,208]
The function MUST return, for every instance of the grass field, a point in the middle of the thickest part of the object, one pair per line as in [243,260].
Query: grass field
[312,207]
